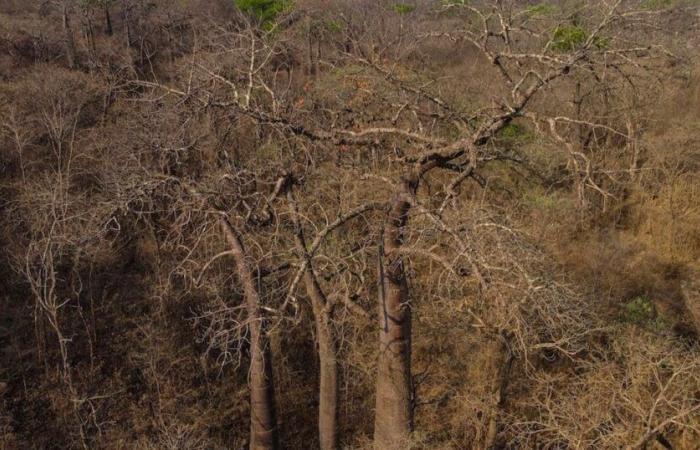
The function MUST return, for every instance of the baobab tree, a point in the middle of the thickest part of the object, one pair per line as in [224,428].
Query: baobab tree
[420,136]
[263,419]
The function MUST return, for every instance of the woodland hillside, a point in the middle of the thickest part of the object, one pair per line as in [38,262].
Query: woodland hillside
[419,224]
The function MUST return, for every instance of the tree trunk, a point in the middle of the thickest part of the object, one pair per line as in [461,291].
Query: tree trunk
[108,20]
[90,34]
[263,419]
[327,349]
[327,356]
[127,24]
[501,349]
[394,404]
[310,38]
[691,298]
[69,40]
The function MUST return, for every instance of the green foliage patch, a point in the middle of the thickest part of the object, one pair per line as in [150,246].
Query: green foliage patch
[514,133]
[656,5]
[568,38]
[641,311]
[540,10]
[403,8]
[334,26]
[548,203]
[264,10]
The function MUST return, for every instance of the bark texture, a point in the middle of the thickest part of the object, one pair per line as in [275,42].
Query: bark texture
[394,403]
[108,20]
[327,347]
[69,41]
[501,348]
[263,418]
[327,355]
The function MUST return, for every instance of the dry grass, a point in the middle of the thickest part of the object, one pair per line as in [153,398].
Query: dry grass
[554,294]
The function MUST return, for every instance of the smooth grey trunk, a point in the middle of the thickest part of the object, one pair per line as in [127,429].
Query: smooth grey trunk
[68,39]
[327,356]
[263,418]
[327,347]
[310,43]
[634,148]
[394,387]
[90,34]
[108,21]
[503,364]
[127,25]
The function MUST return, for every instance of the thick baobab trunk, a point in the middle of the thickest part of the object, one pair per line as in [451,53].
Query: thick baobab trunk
[327,350]
[263,419]
[394,403]
[69,41]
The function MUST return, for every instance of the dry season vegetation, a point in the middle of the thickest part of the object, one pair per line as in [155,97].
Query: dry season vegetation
[427,224]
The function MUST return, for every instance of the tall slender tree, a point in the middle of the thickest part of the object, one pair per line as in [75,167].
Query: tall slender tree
[263,417]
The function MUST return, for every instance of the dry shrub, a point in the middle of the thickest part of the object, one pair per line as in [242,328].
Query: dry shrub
[479,348]
[629,392]
[513,347]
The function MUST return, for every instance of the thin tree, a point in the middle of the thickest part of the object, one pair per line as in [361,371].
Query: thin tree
[326,342]
[263,417]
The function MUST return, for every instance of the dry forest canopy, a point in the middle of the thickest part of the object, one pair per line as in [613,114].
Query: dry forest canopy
[426,224]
